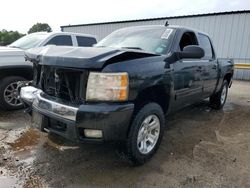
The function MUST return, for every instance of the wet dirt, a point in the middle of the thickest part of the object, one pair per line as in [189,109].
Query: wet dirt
[201,148]
[28,139]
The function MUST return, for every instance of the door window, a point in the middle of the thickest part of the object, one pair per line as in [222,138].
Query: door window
[188,38]
[206,45]
[62,40]
[85,41]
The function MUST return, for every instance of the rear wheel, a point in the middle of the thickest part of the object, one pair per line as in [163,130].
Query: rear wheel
[146,133]
[9,95]
[218,100]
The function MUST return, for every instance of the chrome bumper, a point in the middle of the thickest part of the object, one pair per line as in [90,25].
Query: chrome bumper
[28,94]
[46,105]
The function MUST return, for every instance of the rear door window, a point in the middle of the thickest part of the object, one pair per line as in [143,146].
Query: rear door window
[62,40]
[205,43]
[85,41]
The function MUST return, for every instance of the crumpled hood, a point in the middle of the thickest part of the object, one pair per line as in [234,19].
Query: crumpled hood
[8,51]
[81,57]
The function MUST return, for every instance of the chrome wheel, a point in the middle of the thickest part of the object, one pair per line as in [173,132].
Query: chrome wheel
[223,94]
[11,95]
[148,134]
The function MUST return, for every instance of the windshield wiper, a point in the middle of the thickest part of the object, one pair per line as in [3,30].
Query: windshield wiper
[134,48]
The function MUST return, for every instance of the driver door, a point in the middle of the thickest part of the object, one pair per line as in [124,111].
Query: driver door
[188,82]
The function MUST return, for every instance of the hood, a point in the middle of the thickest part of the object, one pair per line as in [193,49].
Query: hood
[9,51]
[82,57]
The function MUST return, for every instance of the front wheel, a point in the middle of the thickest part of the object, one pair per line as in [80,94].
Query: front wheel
[9,95]
[145,133]
[218,100]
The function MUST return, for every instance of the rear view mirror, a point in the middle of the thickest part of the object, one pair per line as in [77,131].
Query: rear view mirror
[191,51]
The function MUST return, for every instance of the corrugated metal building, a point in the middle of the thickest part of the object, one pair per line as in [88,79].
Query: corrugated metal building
[230,32]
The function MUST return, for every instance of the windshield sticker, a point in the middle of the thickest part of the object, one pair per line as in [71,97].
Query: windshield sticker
[167,33]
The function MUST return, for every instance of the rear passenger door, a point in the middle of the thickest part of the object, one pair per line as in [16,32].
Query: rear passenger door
[210,75]
[60,40]
[188,72]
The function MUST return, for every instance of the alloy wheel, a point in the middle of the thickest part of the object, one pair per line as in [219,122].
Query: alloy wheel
[11,95]
[148,134]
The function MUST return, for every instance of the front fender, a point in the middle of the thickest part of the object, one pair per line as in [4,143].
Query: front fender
[143,73]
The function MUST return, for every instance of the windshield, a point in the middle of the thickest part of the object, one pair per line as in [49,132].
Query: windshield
[29,41]
[151,39]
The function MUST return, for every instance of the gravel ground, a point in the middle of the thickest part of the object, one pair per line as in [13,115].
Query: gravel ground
[201,148]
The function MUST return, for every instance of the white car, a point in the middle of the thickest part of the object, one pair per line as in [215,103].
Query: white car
[14,68]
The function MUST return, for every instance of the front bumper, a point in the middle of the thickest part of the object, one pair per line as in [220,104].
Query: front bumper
[53,106]
[70,121]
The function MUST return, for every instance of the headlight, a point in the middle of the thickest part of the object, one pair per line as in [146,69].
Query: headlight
[107,86]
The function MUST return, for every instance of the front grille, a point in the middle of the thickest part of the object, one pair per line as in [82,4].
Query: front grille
[67,84]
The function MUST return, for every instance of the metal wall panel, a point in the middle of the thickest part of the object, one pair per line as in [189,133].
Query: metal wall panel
[230,33]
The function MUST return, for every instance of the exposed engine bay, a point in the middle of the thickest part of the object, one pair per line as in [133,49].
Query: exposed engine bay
[65,83]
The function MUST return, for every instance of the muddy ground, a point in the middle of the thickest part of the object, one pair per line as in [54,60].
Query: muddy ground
[201,148]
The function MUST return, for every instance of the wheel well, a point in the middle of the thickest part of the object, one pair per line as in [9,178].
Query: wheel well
[155,94]
[228,77]
[24,72]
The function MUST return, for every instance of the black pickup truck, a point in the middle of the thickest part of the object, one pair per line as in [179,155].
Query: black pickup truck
[123,88]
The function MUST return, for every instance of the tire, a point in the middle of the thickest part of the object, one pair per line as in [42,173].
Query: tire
[138,131]
[9,93]
[218,100]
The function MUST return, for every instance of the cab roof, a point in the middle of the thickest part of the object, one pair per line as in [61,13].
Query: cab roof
[175,27]
[59,33]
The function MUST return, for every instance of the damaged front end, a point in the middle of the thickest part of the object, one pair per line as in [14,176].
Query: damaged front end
[54,90]
[64,83]
[58,98]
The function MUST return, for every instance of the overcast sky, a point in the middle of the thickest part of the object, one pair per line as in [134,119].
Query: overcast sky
[22,14]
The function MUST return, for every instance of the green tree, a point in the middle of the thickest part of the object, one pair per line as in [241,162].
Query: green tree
[7,37]
[40,27]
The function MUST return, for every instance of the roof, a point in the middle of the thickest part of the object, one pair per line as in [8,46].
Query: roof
[175,27]
[60,32]
[162,18]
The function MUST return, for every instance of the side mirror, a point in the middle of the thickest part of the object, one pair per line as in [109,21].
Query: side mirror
[191,51]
